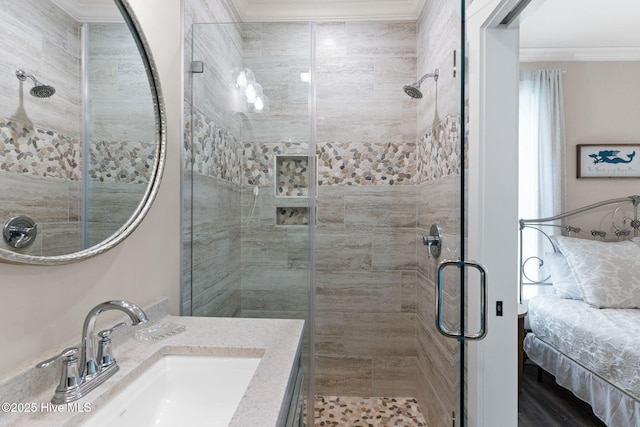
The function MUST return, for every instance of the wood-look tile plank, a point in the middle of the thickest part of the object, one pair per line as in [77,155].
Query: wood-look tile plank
[545,403]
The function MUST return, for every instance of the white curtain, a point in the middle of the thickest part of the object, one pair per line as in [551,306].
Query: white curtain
[542,151]
[542,144]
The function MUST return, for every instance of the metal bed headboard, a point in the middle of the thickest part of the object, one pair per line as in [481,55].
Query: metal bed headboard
[538,223]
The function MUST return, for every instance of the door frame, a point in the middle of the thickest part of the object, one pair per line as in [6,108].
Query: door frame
[493,68]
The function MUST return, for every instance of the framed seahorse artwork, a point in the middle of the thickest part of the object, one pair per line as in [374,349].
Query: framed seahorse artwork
[608,161]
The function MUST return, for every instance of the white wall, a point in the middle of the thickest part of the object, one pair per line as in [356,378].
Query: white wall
[600,106]
[493,210]
[44,307]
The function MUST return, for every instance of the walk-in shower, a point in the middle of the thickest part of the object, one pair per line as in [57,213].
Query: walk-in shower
[39,90]
[315,208]
[413,90]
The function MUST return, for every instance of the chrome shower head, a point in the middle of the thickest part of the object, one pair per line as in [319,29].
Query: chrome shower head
[42,91]
[413,90]
[39,90]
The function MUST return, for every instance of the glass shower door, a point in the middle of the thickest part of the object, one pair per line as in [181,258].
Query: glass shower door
[250,167]
[458,285]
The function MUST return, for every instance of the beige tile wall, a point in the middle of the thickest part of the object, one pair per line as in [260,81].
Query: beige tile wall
[275,267]
[439,194]
[365,248]
[374,284]
[40,147]
[366,290]
[43,40]
[40,138]
[210,276]
[122,128]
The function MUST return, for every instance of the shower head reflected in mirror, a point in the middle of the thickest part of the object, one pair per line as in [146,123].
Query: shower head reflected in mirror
[39,90]
[413,90]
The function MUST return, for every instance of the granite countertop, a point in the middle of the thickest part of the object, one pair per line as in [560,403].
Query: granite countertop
[275,341]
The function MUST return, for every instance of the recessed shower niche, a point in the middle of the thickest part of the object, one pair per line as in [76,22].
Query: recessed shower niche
[292,175]
[292,182]
[292,215]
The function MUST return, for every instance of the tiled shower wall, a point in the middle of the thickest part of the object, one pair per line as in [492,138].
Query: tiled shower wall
[213,166]
[387,169]
[239,262]
[39,138]
[367,171]
[275,246]
[438,193]
[365,241]
[121,128]
[42,160]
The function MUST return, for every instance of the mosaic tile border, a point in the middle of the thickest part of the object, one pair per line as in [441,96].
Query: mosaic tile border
[369,163]
[217,153]
[439,150]
[214,151]
[259,160]
[367,412]
[28,149]
[122,161]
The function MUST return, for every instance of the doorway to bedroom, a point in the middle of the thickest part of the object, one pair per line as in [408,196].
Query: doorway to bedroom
[588,70]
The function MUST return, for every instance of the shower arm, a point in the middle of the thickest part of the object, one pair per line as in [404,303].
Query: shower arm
[426,76]
[22,76]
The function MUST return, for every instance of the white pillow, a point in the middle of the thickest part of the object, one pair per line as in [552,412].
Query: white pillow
[562,278]
[608,273]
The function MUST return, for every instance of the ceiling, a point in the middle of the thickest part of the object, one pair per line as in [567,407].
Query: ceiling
[596,30]
[323,10]
[90,10]
[551,29]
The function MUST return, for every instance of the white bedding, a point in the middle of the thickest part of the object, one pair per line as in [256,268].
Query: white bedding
[605,341]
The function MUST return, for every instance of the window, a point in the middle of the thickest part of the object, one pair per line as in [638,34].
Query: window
[541,152]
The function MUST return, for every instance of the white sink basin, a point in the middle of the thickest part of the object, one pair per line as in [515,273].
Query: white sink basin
[180,390]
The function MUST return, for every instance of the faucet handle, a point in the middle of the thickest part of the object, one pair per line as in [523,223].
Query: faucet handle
[105,358]
[69,376]
[105,334]
[69,353]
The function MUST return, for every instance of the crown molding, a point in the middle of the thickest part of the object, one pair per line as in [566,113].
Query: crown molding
[240,7]
[580,54]
[83,12]
[329,10]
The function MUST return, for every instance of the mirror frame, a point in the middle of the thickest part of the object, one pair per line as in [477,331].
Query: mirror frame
[143,207]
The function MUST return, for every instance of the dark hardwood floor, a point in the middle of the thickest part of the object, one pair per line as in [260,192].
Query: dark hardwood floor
[546,404]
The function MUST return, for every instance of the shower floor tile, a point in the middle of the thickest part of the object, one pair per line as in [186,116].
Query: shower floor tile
[344,411]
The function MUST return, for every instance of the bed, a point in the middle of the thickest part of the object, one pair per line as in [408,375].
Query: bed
[586,330]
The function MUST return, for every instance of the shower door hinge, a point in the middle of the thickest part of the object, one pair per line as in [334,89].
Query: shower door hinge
[197,67]
[453,419]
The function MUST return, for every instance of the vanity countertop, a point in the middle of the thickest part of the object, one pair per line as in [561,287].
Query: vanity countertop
[275,341]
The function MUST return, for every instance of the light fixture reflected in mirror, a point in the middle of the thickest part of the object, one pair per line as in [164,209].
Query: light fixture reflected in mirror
[253,92]
[249,89]
[261,104]
[243,77]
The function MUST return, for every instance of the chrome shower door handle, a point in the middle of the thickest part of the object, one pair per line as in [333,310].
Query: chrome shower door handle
[440,325]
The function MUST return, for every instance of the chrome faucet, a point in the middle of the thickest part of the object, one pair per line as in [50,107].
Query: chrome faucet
[77,380]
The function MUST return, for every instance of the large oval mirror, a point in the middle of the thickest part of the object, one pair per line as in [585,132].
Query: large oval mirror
[82,138]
